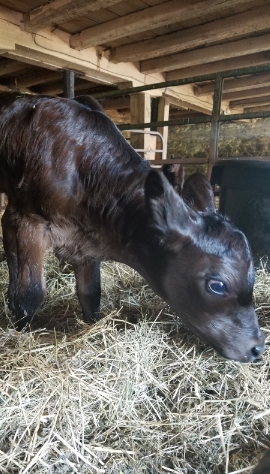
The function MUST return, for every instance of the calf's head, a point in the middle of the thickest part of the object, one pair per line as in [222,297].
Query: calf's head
[207,272]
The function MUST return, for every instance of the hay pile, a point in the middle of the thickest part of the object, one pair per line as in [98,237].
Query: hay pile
[134,393]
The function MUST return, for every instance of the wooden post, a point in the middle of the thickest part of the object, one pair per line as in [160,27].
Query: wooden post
[213,149]
[140,111]
[69,81]
[163,114]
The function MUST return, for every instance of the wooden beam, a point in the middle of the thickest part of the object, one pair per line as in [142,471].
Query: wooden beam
[246,94]
[176,102]
[238,84]
[56,61]
[191,103]
[163,114]
[59,11]
[147,19]
[249,60]
[204,55]
[33,78]
[219,30]
[7,66]
[140,111]
[250,102]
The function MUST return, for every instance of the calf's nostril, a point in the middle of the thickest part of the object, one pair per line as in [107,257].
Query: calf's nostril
[256,351]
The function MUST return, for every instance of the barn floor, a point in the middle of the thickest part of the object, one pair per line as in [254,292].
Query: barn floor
[134,393]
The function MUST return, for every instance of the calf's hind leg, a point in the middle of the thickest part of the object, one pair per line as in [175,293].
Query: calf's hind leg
[28,285]
[88,289]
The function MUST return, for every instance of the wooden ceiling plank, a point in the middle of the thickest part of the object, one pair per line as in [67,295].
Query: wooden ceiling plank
[37,58]
[60,11]
[205,55]
[191,38]
[246,94]
[233,85]
[127,7]
[189,104]
[248,60]
[75,26]
[148,19]
[175,102]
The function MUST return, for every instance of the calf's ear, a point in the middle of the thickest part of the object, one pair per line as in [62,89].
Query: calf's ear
[166,209]
[198,193]
[175,174]
[154,186]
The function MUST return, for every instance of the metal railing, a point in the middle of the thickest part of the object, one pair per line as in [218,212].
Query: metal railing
[149,149]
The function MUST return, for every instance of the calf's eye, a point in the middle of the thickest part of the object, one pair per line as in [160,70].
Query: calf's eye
[217,287]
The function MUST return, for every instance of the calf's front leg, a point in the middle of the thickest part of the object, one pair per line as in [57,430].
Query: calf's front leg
[10,247]
[88,289]
[28,286]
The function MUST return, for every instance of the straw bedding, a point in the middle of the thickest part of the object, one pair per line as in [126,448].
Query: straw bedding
[134,393]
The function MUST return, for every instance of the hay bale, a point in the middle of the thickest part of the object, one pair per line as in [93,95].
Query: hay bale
[134,393]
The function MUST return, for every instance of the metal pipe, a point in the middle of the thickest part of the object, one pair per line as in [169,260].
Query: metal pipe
[164,123]
[245,115]
[183,161]
[194,120]
[182,82]
[69,82]
[154,111]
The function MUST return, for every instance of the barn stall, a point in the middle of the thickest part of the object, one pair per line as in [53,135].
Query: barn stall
[135,392]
